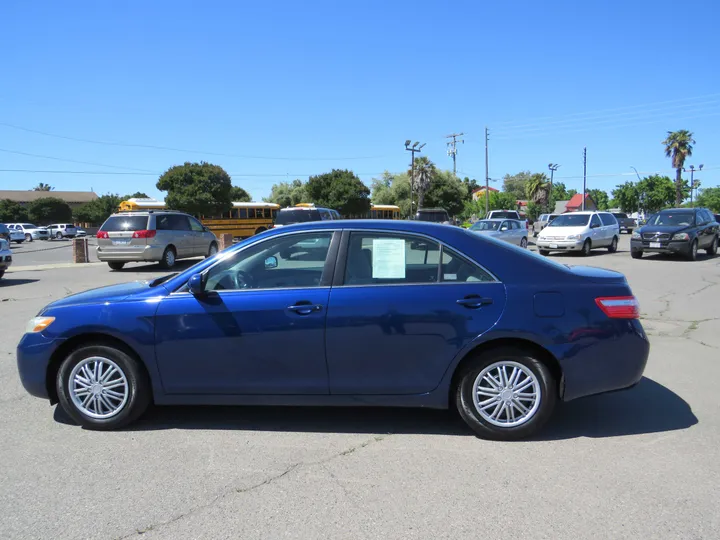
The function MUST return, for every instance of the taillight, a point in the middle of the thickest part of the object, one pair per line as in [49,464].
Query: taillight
[102,234]
[144,234]
[619,307]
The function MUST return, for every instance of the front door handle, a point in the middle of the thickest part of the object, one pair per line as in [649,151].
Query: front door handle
[473,301]
[304,308]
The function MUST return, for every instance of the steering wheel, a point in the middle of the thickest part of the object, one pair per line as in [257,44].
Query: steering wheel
[242,280]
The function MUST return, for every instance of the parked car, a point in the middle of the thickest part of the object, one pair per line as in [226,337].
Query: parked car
[15,236]
[508,214]
[30,231]
[81,233]
[717,218]
[161,236]
[542,222]
[62,230]
[5,256]
[433,215]
[579,231]
[304,214]
[4,232]
[508,230]
[624,222]
[678,231]
[313,315]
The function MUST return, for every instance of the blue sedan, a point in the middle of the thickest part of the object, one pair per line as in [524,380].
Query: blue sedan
[383,313]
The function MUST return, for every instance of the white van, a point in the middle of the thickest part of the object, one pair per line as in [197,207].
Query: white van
[579,231]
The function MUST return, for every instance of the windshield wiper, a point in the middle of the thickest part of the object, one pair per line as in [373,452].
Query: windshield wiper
[162,279]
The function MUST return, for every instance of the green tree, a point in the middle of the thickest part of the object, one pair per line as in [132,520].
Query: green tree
[12,212]
[559,193]
[516,183]
[43,187]
[137,195]
[197,188]
[709,198]
[97,211]
[570,194]
[446,191]
[471,185]
[425,173]
[679,147]
[49,210]
[381,189]
[627,197]
[600,197]
[288,193]
[340,189]
[656,192]
[537,189]
[238,194]
[501,200]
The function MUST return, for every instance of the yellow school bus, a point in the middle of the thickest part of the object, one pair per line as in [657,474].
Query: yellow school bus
[244,219]
[384,211]
[133,205]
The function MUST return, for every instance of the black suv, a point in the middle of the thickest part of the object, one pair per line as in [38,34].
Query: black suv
[677,231]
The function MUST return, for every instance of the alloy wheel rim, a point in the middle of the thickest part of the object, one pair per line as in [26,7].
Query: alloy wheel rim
[506,394]
[523,243]
[170,258]
[98,387]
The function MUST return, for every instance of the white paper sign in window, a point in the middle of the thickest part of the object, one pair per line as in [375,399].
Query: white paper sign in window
[388,258]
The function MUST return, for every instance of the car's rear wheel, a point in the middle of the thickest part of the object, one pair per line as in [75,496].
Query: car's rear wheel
[692,255]
[543,252]
[212,250]
[523,243]
[636,254]
[712,250]
[587,247]
[612,248]
[58,235]
[28,237]
[101,387]
[116,265]
[168,258]
[505,394]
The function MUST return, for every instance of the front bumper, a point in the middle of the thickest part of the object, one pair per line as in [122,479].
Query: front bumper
[40,236]
[33,357]
[559,245]
[5,262]
[134,254]
[677,247]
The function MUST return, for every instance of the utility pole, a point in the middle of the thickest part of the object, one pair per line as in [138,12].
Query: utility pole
[487,175]
[414,148]
[452,147]
[692,180]
[584,176]
[553,167]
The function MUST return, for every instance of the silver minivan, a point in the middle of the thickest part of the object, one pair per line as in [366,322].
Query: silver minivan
[160,236]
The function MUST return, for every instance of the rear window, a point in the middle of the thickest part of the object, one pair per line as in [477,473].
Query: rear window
[125,223]
[435,216]
[288,217]
[28,226]
[620,215]
[504,215]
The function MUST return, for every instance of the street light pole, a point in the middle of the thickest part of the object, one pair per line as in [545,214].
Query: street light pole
[584,176]
[414,148]
[692,180]
[637,173]
[553,167]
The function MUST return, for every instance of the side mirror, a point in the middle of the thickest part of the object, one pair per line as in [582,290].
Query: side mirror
[503,229]
[594,225]
[270,263]
[196,285]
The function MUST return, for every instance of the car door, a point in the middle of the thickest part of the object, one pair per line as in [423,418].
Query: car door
[260,326]
[705,231]
[200,238]
[174,229]
[518,231]
[401,308]
[597,236]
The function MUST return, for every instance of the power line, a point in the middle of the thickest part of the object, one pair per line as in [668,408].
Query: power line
[452,147]
[71,160]
[184,150]
[248,175]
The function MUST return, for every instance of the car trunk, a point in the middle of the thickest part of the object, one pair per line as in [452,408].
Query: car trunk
[120,233]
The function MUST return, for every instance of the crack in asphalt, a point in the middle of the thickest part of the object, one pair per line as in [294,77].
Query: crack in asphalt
[265,482]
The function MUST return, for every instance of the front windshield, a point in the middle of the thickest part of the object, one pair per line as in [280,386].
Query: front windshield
[28,226]
[570,220]
[673,219]
[296,216]
[485,225]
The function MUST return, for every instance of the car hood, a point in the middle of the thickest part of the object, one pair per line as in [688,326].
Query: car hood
[111,293]
[562,231]
[667,229]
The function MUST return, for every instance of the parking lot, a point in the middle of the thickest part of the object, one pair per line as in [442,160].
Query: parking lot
[636,464]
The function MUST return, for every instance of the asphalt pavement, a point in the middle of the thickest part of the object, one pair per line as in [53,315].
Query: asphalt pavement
[636,464]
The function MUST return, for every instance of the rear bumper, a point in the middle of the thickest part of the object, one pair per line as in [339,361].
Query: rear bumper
[140,253]
[613,363]
[669,248]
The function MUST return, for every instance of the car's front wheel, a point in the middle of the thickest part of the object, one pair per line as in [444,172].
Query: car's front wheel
[612,248]
[28,237]
[587,247]
[101,387]
[543,252]
[636,254]
[692,254]
[59,236]
[712,250]
[116,265]
[505,394]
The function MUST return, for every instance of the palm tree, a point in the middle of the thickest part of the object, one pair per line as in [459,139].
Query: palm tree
[537,189]
[43,187]
[678,146]
[424,175]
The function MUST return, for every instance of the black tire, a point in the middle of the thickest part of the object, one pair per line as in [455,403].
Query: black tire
[612,248]
[523,243]
[712,250]
[692,255]
[2,273]
[212,250]
[28,237]
[59,235]
[116,265]
[169,258]
[636,254]
[484,428]
[543,252]
[629,231]
[587,248]
[138,387]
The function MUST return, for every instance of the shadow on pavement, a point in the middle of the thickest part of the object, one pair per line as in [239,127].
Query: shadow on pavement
[647,408]
[9,281]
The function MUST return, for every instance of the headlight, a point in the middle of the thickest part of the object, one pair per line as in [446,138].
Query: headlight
[681,236]
[38,324]
[636,235]
[574,237]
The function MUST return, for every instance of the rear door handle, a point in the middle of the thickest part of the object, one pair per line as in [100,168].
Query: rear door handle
[474,301]
[305,308]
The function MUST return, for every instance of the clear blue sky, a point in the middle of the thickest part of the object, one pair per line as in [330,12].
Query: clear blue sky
[316,83]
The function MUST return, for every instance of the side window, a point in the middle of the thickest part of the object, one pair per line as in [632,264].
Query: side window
[385,259]
[289,261]
[179,223]
[515,225]
[505,225]
[242,213]
[325,215]
[195,225]
[608,219]
[456,269]
[163,222]
[706,217]
[595,221]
